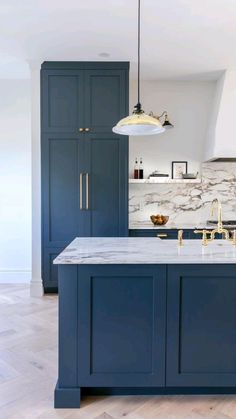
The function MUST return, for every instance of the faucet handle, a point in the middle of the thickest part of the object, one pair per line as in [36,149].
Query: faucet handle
[180,237]
[234,238]
[204,236]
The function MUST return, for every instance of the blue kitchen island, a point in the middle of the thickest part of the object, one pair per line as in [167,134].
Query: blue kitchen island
[146,316]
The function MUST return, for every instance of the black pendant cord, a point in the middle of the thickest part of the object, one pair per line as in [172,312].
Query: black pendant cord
[138,51]
[138,106]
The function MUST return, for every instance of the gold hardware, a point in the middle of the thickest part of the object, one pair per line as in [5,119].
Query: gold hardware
[204,236]
[234,238]
[81,191]
[219,229]
[162,235]
[180,237]
[81,130]
[86,129]
[87,191]
[219,224]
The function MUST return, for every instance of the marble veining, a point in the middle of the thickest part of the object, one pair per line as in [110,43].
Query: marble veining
[144,250]
[186,204]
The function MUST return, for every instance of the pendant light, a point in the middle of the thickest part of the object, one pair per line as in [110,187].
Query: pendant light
[139,123]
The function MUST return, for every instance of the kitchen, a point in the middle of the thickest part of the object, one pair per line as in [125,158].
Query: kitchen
[120,150]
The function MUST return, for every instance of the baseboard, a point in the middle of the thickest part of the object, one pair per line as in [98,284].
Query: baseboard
[15,277]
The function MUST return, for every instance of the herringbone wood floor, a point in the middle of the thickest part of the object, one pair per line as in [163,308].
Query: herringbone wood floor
[28,371]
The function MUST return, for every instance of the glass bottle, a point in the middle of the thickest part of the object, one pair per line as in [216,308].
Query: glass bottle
[136,171]
[141,173]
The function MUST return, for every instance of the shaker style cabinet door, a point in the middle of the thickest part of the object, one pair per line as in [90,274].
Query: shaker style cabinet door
[105,98]
[201,324]
[63,199]
[107,187]
[121,326]
[62,100]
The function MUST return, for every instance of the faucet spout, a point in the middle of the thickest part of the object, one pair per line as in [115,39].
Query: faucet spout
[217,204]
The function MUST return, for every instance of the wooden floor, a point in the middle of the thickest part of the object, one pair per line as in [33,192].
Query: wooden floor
[28,371]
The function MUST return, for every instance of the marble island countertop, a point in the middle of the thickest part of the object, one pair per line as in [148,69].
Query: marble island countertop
[144,250]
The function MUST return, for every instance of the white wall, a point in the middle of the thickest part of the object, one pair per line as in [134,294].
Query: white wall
[15,181]
[189,107]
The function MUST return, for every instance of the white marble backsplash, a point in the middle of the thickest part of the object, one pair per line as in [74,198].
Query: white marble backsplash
[186,203]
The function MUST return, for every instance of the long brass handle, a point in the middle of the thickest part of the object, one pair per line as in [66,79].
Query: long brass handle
[87,191]
[81,191]
[162,235]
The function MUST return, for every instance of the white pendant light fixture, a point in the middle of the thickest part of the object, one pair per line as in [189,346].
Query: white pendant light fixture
[139,123]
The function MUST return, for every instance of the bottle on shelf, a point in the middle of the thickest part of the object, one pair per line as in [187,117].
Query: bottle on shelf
[141,174]
[136,171]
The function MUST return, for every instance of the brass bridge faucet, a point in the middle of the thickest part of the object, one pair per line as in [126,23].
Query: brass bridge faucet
[219,229]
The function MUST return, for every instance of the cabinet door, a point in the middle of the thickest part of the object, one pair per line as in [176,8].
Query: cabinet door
[106,98]
[62,100]
[107,186]
[201,324]
[62,218]
[121,326]
[61,169]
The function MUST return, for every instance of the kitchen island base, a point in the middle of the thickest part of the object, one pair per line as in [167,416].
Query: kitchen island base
[71,397]
[146,329]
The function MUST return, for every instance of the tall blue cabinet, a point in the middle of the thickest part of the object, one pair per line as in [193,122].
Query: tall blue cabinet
[84,164]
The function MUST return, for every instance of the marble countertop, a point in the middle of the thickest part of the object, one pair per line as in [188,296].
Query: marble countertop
[144,250]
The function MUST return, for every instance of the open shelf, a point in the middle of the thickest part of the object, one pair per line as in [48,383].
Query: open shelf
[161,180]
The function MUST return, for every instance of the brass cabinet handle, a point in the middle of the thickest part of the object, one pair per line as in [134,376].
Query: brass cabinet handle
[81,130]
[87,191]
[162,235]
[86,129]
[81,191]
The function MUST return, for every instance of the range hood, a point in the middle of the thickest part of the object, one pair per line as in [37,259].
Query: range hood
[221,139]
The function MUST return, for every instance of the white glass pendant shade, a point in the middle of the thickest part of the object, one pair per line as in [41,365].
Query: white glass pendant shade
[138,124]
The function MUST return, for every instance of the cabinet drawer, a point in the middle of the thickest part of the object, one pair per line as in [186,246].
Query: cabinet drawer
[162,234]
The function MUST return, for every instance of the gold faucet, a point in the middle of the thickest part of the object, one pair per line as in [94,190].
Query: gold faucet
[219,230]
[180,237]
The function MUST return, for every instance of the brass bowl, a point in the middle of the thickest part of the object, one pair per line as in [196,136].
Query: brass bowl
[159,220]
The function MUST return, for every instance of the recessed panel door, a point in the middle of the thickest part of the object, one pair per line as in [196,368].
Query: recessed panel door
[121,325]
[106,184]
[201,338]
[106,94]
[62,100]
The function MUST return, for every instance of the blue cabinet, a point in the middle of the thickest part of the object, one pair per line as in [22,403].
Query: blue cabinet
[112,328]
[201,322]
[106,163]
[84,165]
[146,329]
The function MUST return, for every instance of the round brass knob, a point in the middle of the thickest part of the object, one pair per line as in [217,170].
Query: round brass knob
[81,129]
[87,129]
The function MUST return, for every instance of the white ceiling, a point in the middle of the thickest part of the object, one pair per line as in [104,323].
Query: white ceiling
[181,39]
